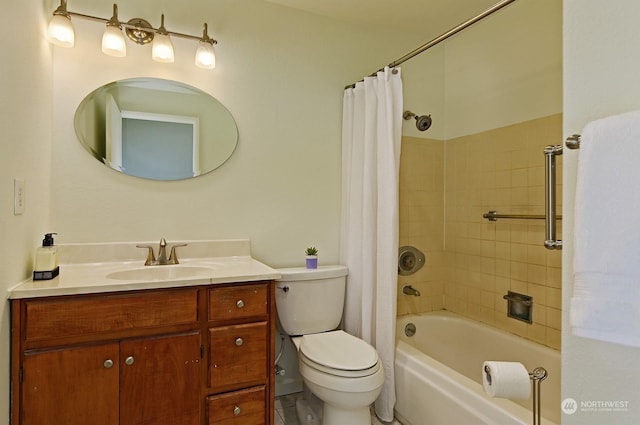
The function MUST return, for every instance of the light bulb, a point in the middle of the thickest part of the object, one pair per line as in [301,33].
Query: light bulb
[112,40]
[205,55]
[60,31]
[113,43]
[162,50]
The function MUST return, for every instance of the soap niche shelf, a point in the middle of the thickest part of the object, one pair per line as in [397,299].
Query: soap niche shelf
[519,306]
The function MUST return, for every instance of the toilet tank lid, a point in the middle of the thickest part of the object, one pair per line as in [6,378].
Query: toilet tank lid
[322,272]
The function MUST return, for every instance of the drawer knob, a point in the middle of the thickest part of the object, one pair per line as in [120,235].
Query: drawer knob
[239,303]
[108,364]
[239,341]
[129,360]
[237,410]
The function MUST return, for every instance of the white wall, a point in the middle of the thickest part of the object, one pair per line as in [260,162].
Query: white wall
[423,82]
[504,69]
[280,72]
[25,152]
[601,68]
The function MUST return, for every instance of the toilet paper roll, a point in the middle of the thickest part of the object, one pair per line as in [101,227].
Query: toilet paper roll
[506,380]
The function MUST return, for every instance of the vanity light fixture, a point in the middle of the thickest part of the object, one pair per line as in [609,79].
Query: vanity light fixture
[60,31]
[113,43]
[162,50]
[138,30]
[205,56]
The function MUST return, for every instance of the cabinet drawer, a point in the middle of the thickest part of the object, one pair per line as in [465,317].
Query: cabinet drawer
[237,302]
[245,407]
[108,313]
[238,356]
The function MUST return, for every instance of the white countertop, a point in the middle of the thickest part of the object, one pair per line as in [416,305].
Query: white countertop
[204,261]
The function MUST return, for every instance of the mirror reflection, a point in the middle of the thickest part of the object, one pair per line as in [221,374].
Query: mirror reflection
[156,129]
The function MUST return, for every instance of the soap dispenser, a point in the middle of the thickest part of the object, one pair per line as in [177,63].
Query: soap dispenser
[46,266]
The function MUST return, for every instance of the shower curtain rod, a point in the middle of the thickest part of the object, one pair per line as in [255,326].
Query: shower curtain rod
[442,37]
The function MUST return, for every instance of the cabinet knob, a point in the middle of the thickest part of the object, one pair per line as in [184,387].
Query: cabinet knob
[129,360]
[237,410]
[108,364]
[239,341]
[239,303]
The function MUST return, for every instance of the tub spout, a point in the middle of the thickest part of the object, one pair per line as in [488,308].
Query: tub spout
[410,290]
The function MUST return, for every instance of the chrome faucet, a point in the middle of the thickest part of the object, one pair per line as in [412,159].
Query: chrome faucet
[162,254]
[410,290]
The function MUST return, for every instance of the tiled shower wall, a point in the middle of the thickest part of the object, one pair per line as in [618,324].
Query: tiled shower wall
[445,187]
[422,221]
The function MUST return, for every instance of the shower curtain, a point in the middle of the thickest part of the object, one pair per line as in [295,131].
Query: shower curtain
[371,133]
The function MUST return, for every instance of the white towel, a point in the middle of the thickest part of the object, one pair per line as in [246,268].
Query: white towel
[606,296]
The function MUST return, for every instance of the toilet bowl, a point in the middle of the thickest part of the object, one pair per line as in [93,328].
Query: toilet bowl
[342,370]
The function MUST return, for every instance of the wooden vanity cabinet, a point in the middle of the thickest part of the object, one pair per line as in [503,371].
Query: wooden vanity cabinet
[240,373]
[142,357]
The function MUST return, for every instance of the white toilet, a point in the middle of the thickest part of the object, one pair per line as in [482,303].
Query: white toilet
[341,370]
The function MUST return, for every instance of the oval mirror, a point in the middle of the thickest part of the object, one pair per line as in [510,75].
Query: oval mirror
[156,129]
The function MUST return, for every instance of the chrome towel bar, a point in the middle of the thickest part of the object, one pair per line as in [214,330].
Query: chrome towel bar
[550,153]
[494,216]
[550,216]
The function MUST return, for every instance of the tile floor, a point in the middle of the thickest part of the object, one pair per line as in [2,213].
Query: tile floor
[286,411]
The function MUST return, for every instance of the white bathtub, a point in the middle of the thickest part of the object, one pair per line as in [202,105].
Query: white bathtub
[438,373]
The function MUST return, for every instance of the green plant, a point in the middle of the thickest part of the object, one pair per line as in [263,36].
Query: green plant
[311,251]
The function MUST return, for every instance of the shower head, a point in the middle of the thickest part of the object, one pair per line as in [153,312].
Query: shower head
[423,122]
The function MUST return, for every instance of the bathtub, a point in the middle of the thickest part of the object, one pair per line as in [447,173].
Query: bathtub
[438,373]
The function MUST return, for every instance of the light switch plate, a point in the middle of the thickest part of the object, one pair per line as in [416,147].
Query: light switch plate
[18,196]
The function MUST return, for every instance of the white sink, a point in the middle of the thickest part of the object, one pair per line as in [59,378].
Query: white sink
[170,272]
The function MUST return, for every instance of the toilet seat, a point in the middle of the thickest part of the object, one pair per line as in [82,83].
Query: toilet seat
[338,353]
[339,372]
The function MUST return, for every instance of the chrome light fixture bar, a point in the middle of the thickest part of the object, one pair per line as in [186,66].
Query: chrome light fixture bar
[138,30]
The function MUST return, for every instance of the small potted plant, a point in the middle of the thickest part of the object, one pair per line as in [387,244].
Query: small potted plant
[312,257]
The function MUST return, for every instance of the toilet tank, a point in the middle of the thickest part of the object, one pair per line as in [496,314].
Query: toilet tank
[310,300]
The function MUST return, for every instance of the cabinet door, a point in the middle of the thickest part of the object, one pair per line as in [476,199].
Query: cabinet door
[71,386]
[160,380]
